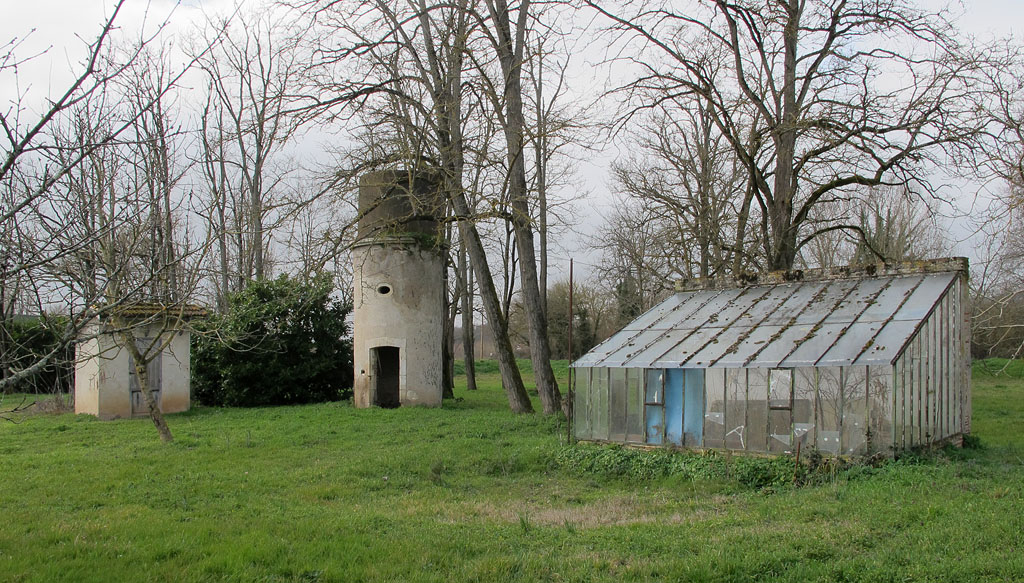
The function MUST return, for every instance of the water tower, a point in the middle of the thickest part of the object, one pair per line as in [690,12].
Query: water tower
[399,290]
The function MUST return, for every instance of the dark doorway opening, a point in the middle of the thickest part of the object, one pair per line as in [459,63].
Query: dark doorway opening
[386,365]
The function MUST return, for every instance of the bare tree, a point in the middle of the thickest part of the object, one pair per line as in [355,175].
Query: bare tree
[556,124]
[507,28]
[412,96]
[641,247]
[997,289]
[135,273]
[251,73]
[33,163]
[688,170]
[842,93]
[93,191]
[880,224]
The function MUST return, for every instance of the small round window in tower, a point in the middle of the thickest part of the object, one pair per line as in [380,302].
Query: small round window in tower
[384,289]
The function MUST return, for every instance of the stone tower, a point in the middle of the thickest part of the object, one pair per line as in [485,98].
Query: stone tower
[399,290]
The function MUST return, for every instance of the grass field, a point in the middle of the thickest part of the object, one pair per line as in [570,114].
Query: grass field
[471,492]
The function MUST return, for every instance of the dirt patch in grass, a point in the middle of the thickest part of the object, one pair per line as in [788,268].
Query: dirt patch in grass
[612,511]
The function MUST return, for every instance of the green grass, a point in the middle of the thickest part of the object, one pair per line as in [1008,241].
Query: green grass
[471,492]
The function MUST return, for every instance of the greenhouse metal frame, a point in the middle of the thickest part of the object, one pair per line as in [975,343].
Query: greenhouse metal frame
[850,361]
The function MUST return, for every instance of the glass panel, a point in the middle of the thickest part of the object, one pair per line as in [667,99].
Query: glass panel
[951,366]
[803,407]
[634,406]
[920,387]
[780,413]
[829,408]
[909,363]
[958,359]
[714,419]
[927,397]
[881,414]
[939,354]
[655,411]
[654,392]
[897,404]
[936,375]
[617,405]
[757,409]
[855,383]
[780,383]
[693,407]
[736,408]
[581,404]
[674,406]
[599,403]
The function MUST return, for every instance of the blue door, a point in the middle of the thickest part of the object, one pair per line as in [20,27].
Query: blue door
[674,406]
[693,407]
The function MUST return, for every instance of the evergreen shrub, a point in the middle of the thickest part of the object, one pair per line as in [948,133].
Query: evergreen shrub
[31,339]
[281,342]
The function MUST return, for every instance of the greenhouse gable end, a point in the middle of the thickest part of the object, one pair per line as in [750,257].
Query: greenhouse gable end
[857,360]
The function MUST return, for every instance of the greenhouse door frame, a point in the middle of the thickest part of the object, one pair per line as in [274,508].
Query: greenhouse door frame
[674,406]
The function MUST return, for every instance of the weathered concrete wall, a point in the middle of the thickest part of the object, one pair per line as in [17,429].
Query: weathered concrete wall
[394,203]
[103,373]
[399,301]
[87,376]
[177,374]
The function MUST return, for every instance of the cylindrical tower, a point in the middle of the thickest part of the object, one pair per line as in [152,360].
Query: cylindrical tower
[399,290]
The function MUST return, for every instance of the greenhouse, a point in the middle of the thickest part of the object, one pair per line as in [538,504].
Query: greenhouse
[850,361]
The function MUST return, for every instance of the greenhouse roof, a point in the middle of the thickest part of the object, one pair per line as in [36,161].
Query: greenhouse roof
[838,320]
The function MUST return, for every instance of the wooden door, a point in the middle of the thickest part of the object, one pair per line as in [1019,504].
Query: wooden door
[153,371]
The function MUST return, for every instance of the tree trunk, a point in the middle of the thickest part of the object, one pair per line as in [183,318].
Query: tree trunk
[511,379]
[444,79]
[540,160]
[783,231]
[448,341]
[140,363]
[468,340]
[510,54]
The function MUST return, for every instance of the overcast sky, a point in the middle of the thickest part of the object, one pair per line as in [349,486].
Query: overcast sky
[61,26]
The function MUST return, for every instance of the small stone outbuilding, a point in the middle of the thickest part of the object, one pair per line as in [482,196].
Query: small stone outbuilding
[105,381]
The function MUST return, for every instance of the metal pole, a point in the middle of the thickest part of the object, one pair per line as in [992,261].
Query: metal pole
[572,386]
